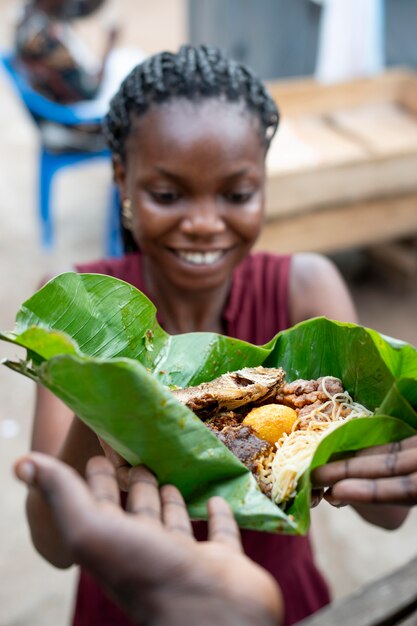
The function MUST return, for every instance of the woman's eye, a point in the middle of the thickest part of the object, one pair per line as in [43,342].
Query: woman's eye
[165,197]
[238,197]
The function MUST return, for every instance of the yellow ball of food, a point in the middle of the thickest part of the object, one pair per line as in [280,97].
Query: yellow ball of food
[271,421]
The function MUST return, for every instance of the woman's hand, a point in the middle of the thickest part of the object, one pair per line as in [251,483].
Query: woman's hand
[146,557]
[383,475]
[316,497]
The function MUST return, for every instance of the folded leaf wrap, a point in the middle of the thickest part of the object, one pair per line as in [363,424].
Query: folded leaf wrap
[95,342]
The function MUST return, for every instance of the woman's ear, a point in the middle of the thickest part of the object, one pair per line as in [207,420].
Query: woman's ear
[119,175]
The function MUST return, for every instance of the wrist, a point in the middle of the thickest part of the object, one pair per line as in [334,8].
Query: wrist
[206,603]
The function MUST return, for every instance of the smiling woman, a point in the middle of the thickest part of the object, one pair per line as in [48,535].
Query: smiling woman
[189,134]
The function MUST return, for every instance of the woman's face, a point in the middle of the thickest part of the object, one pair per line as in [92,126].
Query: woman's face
[195,176]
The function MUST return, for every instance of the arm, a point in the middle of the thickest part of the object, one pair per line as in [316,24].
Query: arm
[83,8]
[146,558]
[112,37]
[317,288]
[51,422]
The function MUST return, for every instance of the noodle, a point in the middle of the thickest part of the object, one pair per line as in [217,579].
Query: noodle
[282,470]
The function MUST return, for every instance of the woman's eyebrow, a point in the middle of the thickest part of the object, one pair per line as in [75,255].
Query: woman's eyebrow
[178,178]
[171,175]
[238,174]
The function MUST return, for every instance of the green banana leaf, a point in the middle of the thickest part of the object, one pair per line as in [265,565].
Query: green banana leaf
[94,341]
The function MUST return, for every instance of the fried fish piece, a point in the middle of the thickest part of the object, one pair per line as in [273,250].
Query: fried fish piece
[232,390]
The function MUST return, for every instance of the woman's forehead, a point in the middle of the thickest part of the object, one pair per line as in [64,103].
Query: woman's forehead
[186,125]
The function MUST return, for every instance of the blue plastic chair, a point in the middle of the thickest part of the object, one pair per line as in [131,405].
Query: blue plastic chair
[42,109]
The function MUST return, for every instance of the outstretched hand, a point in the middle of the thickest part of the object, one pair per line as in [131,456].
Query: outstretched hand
[146,557]
[383,475]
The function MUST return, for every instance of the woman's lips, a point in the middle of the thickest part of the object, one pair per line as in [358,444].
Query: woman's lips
[200,257]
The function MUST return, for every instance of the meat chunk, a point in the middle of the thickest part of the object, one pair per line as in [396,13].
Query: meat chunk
[301,392]
[242,441]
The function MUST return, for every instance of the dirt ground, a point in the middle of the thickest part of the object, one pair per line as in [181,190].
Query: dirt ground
[31,592]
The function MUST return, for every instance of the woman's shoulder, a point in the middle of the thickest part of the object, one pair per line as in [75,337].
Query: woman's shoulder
[316,287]
[310,269]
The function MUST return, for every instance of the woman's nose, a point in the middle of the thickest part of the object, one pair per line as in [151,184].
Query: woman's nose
[203,219]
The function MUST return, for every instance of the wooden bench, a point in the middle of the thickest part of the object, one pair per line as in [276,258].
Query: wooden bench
[390,601]
[342,170]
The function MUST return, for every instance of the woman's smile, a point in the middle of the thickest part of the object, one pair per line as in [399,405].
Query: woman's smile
[196,257]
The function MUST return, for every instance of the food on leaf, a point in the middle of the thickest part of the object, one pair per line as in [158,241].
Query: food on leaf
[273,427]
[88,340]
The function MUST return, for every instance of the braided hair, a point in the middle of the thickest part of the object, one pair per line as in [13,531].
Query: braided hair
[194,73]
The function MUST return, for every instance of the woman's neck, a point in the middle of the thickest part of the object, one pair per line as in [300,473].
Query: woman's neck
[186,311]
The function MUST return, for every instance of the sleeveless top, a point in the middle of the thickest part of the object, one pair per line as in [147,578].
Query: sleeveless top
[257,308]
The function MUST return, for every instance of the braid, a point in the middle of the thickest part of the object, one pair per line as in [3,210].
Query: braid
[193,73]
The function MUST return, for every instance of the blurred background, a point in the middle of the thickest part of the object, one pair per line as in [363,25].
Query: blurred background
[342,180]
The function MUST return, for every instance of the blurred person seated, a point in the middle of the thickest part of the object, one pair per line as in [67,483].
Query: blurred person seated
[146,558]
[59,66]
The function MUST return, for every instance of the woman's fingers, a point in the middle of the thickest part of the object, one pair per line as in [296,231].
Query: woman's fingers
[101,478]
[398,462]
[143,499]
[316,497]
[174,512]
[396,446]
[222,525]
[380,475]
[400,490]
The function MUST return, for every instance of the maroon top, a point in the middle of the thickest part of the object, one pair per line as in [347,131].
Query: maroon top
[256,310]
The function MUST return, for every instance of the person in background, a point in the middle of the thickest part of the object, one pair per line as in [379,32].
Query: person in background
[55,61]
[189,133]
[146,558]
[58,65]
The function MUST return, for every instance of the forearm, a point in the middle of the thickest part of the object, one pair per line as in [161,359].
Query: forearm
[80,445]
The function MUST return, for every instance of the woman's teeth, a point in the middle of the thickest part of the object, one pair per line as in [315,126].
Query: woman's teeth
[201,258]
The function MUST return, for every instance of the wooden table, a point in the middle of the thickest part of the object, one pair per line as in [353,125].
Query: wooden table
[342,170]
[390,601]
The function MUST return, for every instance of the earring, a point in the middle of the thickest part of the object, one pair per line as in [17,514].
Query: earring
[127,213]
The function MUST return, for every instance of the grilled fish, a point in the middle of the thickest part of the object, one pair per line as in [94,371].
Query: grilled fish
[232,390]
